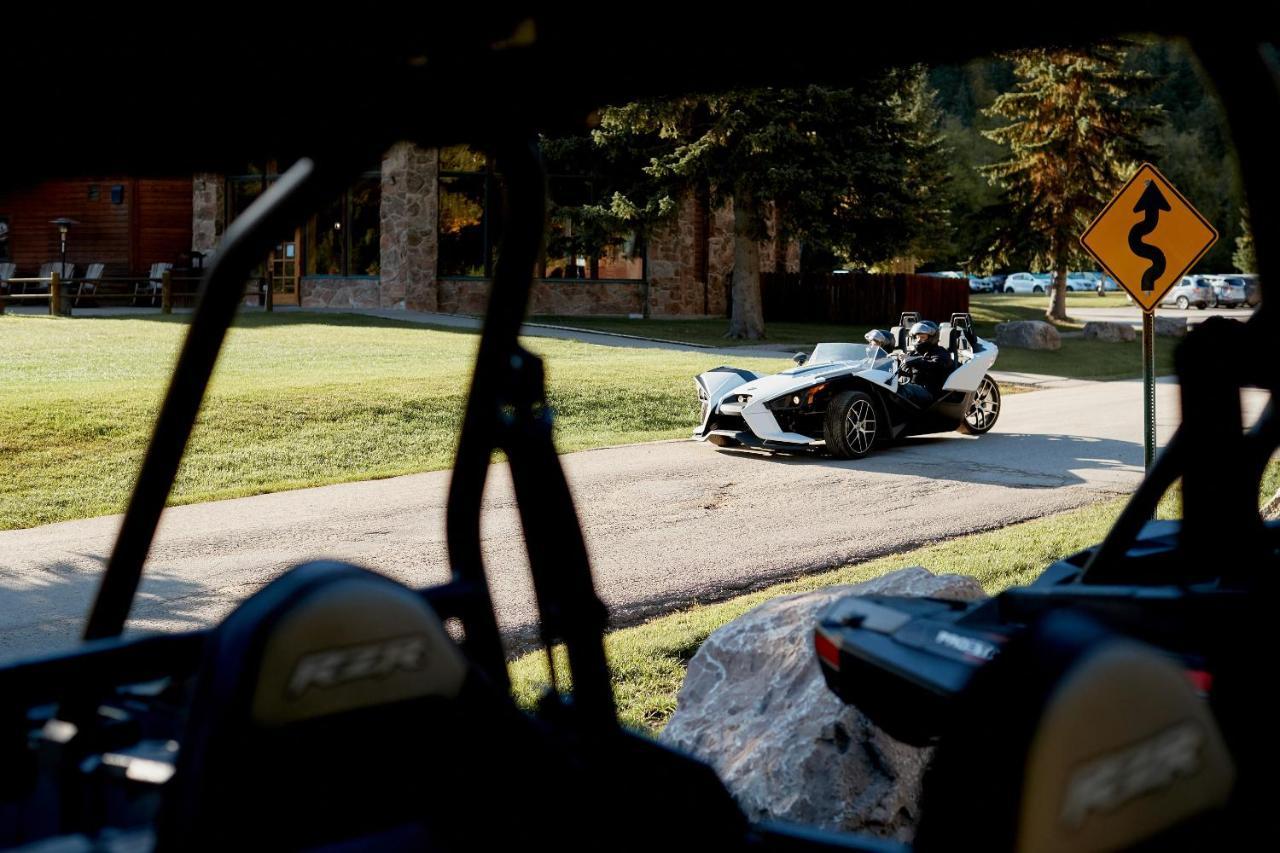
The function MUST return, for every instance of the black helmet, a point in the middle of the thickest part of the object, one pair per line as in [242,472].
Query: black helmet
[923,327]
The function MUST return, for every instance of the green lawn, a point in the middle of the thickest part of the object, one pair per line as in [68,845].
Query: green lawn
[987,310]
[1078,358]
[298,400]
[648,661]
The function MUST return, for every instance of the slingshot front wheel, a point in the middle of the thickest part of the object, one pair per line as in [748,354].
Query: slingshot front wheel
[852,426]
[983,410]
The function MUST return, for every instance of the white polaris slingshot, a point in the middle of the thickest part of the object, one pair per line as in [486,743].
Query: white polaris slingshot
[846,398]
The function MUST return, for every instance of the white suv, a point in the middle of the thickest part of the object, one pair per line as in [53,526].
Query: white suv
[1023,282]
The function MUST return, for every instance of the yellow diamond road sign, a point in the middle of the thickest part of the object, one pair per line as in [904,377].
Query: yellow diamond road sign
[1148,236]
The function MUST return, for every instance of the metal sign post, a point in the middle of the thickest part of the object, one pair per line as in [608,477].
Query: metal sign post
[1149,387]
[1147,238]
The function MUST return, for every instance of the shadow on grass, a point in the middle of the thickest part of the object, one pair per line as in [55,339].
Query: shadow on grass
[256,318]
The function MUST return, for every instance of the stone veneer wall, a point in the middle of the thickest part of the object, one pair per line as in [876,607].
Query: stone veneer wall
[578,298]
[409,213]
[208,211]
[338,292]
[674,285]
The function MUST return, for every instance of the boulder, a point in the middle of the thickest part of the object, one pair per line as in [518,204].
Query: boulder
[1028,334]
[754,705]
[1171,327]
[1271,511]
[1112,333]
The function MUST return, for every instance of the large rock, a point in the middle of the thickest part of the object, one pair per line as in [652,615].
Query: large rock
[1171,327]
[1112,333]
[1028,334]
[1271,511]
[755,706]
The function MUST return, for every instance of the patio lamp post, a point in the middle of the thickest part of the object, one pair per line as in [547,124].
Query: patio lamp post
[64,224]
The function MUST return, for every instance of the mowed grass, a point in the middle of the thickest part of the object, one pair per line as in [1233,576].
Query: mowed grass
[648,661]
[297,400]
[1077,359]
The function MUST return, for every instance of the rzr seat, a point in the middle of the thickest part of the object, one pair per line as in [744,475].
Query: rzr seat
[1077,739]
[330,706]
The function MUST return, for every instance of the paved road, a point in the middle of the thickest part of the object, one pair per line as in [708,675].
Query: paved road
[666,523]
[1132,315]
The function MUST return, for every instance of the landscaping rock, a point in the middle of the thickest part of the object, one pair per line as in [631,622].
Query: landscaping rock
[1271,511]
[1112,333]
[1028,334]
[755,706]
[1171,327]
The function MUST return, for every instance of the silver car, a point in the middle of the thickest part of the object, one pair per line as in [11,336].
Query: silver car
[1192,290]
[1228,290]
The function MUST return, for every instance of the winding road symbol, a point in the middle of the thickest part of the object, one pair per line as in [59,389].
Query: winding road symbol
[1150,205]
[1148,237]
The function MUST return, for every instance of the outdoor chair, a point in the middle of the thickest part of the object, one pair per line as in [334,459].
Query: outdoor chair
[150,288]
[65,272]
[89,283]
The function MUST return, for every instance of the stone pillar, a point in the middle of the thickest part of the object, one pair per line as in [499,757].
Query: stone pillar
[674,285]
[409,213]
[208,211]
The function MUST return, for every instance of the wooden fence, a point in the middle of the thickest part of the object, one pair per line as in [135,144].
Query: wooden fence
[860,298]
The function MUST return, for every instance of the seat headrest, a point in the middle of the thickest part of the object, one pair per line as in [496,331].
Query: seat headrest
[1076,738]
[354,642]
[315,699]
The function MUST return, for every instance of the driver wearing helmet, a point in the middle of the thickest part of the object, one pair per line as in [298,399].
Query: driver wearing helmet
[922,373]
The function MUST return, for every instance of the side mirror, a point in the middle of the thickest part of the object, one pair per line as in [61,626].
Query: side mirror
[799,358]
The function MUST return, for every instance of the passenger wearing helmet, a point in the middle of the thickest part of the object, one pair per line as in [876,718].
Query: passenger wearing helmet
[923,372]
[880,338]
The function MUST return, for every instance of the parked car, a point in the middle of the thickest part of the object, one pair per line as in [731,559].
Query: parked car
[1192,290]
[1230,291]
[1023,282]
[1082,281]
[1252,292]
[1106,284]
[981,284]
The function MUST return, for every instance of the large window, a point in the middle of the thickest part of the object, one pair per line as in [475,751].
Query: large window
[344,238]
[579,243]
[578,246]
[469,202]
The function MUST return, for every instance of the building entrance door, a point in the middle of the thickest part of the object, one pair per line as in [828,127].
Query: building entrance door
[284,271]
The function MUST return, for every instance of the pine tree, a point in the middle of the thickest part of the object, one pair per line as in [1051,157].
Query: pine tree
[1244,258]
[1074,134]
[929,181]
[833,163]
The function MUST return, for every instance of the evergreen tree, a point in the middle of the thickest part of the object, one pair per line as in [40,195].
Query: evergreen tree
[1074,133]
[1244,258]
[835,165]
[929,180]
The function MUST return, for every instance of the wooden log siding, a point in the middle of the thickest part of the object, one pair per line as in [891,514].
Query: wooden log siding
[153,223]
[860,298]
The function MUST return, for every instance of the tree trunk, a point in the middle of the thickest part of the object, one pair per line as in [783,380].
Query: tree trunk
[747,320]
[1057,309]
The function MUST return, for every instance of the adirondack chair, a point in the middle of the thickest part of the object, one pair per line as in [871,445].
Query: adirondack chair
[151,287]
[46,271]
[89,283]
